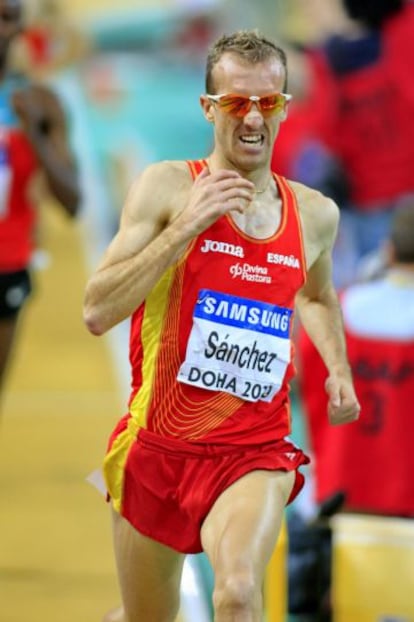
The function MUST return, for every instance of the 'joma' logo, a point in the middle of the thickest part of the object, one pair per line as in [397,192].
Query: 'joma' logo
[211,246]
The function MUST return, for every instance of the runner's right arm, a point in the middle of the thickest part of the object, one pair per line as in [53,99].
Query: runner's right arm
[154,231]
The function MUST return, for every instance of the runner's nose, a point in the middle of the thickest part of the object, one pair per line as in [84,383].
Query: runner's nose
[254,117]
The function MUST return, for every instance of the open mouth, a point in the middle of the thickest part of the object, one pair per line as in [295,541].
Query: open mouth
[252,140]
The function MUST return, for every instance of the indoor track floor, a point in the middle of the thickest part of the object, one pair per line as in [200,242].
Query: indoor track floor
[61,401]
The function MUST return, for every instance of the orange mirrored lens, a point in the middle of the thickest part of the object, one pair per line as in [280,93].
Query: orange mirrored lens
[272,103]
[240,105]
[235,104]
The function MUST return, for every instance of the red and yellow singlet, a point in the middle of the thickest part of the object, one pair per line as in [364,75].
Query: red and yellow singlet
[210,347]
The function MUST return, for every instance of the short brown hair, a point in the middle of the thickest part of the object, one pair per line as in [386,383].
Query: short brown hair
[249,45]
[402,232]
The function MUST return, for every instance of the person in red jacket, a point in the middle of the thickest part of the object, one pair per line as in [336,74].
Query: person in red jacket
[355,138]
[33,144]
[379,328]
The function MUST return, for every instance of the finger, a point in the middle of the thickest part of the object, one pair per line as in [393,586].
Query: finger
[239,200]
[230,176]
[204,173]
[222,173]
[235,182]
[236,205]
[225,178]
[236,192]
[332,389]
[346,413]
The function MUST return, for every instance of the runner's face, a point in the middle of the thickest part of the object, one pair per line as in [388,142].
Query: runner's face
[245,142]
[10,21]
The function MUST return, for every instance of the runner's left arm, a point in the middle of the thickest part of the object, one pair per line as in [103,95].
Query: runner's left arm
[320,313]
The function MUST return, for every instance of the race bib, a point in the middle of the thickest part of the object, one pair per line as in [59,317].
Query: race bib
[237,345]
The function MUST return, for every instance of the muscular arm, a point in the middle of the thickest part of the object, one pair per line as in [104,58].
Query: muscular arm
[44,123]
[321,316]
[162,214]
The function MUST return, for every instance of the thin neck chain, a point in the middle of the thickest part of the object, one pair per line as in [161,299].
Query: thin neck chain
[264,189]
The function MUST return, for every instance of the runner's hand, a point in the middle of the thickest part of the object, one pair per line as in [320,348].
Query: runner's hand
[213,195]
[343,405]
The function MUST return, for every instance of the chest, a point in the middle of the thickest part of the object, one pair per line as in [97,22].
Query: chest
[224,258]
[261,221]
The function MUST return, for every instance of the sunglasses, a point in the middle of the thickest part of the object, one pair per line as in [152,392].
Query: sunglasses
[240,105]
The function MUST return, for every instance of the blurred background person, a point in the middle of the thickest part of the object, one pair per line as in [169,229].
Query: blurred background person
[50,42]
[33,147]
[361,149]
[371,460]
[365,468]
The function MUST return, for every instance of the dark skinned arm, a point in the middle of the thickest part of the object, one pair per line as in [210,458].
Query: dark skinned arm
[43,120]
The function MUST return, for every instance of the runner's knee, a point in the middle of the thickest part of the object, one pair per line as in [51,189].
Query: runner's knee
[236,594]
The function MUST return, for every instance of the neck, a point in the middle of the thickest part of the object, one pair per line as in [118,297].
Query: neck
[261,178]
[266,186]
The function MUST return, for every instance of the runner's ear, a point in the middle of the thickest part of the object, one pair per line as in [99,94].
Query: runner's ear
[207,108]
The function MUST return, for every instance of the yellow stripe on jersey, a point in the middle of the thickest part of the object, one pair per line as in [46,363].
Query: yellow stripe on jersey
[155,308]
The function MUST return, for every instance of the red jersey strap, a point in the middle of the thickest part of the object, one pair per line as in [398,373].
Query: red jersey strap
[289,198]
[287,195]
[196,166]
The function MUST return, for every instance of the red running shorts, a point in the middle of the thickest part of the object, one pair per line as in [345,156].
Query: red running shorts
[170,485]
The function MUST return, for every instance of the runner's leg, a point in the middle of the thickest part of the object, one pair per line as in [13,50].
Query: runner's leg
[149,574]
[239,536]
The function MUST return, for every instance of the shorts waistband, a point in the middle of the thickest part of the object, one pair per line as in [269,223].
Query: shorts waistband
[190,448]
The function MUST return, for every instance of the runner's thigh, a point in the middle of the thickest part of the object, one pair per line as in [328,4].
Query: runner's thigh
[149,574]
[241,530]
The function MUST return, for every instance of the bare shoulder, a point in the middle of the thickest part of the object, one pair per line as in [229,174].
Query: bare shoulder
[168,178]
[319,216]
[160,190]
[316,209]
[175,173]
